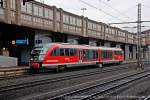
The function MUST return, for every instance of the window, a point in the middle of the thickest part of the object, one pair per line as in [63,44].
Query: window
[107,54]
[13,5]
[66,19]
[79,22]
[29,8]
[67,52]
[72,20]
[58,16]
[95,54]
[56,52]
[118,53]
[40,11]
[62,53]
[86,54]
[90,54]
[73,52]
[48,13]
[90,25]
[38,41]
[23,7]
[35,11]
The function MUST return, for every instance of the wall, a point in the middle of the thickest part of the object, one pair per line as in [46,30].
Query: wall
[8,61]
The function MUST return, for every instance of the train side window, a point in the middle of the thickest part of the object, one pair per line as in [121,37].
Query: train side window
[105,54]
[94,54]
[86,54]
[73,52]
[111,54]
[102,53]
[90,53]
[62,53]
[116,52]
[67,52]
[55,52]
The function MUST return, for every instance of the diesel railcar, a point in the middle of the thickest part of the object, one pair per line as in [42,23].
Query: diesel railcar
[62,55]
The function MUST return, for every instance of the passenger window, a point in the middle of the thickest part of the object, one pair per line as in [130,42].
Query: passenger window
[67,52]
[73,52]
[56,52]
[62,53]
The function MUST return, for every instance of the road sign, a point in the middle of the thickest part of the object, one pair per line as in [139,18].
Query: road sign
[21,41]
[13,42]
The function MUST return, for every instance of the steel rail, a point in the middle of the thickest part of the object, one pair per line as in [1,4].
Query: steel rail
[101,88]
[147,98]
[63,78]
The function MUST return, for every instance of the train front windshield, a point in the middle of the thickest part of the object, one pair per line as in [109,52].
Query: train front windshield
[38,53]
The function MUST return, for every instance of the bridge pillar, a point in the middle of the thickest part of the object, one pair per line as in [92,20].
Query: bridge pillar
[54,19]
[18,12]
[107,44]
[134,51]
[127,52]
[8,11]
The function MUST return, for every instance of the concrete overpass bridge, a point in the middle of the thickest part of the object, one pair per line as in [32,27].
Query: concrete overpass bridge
[41,23]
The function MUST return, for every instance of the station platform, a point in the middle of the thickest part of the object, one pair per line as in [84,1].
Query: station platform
[13,71]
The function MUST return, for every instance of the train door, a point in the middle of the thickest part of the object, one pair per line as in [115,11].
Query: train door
[80,56]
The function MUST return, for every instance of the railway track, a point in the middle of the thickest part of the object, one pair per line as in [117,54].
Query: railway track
[58,79]
[94,92]
[147,98]
[13,74]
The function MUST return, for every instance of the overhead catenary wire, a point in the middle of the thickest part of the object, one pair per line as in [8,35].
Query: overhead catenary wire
[116,10]
[92,6]
[145,5]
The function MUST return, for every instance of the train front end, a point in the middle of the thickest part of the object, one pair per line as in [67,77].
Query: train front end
[37,56]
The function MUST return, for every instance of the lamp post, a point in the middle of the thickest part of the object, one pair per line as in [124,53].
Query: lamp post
[83,11]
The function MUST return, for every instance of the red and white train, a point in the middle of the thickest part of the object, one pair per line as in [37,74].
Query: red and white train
[62,55]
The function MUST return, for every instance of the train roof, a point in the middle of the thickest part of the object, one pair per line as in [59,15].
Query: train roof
[78,46]
[109,48]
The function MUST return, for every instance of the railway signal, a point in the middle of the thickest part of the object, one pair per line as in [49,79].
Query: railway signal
[24,1]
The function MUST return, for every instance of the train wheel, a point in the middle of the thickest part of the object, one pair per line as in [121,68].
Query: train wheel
[34,71]
[100,66]
[120,62]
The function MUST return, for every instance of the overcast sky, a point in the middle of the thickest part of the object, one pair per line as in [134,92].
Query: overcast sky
[107,11]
